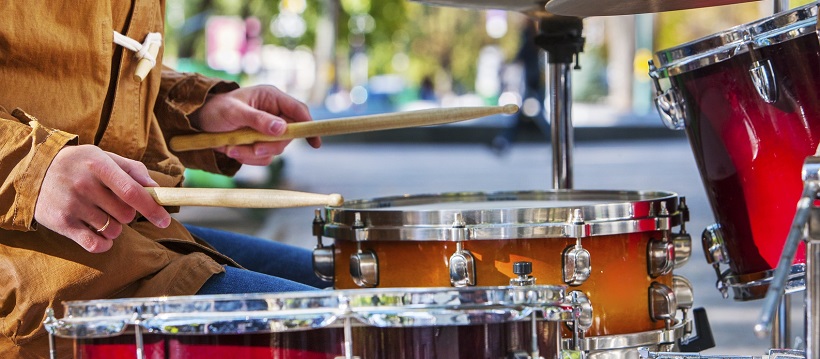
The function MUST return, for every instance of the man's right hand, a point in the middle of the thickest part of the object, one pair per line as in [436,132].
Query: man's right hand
[86,188]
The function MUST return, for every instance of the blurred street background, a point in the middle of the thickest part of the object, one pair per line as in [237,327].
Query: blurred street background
[356,57]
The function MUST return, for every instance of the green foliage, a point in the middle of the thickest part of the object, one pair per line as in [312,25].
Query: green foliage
[434,38]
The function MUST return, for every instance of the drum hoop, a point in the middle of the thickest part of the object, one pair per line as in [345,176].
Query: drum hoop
[743,285]
[633,340]
[395,307]
[627,212]
[726,44]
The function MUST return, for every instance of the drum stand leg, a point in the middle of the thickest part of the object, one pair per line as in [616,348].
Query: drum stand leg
[812,291]
[780,325]
[560,37]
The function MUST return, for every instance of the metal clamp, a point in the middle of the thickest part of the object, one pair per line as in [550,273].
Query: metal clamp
[763,79]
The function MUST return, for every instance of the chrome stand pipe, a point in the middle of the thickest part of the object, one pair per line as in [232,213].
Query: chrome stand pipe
[560,37]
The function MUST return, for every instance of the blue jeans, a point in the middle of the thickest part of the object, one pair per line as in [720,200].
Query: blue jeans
[270,266]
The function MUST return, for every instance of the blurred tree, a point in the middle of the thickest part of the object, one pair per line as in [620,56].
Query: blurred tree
[436,40]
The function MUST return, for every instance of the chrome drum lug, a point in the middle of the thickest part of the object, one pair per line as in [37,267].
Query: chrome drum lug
[661,257]
[662,302]
[577,266]
[462,268]
[364,268]
[684,292]
[683,248]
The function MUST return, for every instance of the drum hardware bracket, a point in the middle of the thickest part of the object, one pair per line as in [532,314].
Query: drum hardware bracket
[662,303]
[364,264]
[323,257]
[139,343]
[50,324]
[644,353]
[703,339]
[522,270]
[669,103]
[581,318]
[462,267]
[462,262]
[364,268]
[576,260]
[714,249]
[577,266]
[682,240]
[761,73]
[661,256]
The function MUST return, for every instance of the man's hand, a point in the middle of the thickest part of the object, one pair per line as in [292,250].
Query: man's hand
[263,108]
[86,189]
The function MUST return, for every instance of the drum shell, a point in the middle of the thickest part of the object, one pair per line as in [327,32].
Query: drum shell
[495,340]
[324,343]
[617,287]
[749,152]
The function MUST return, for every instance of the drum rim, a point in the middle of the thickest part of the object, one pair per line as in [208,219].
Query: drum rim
[438,304]
[626,212]
[724,45]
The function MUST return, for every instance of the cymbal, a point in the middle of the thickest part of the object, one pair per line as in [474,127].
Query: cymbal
[585,8]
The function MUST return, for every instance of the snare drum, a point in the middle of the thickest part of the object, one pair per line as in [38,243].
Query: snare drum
[616,247]
[480,322]
[748,99]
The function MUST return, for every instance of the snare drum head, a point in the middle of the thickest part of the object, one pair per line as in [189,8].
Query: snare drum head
[500,215]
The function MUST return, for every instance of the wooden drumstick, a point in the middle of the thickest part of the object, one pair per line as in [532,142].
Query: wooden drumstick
[241,198]
[339,126]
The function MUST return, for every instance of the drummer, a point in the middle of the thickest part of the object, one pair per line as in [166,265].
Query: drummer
[80,135]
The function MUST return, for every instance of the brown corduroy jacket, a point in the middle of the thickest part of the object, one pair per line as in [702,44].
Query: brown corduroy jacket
[58,63]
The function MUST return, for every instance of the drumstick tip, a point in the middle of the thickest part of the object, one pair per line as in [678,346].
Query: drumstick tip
[335,200]
[510,109]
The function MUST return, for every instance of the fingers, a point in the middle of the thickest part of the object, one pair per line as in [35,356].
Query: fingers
[258,154]
[127,185]
[277,102]
[263,122]
[80,229]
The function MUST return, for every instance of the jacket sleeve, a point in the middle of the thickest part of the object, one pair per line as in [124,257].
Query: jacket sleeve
[180,95]
[26,151]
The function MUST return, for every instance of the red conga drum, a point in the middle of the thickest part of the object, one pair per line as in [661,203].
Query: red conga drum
[748,100]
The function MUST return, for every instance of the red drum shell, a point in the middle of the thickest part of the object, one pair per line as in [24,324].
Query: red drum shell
[750,153]
[495,340]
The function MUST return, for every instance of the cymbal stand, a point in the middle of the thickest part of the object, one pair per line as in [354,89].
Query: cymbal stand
[560,37]
[806,213]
